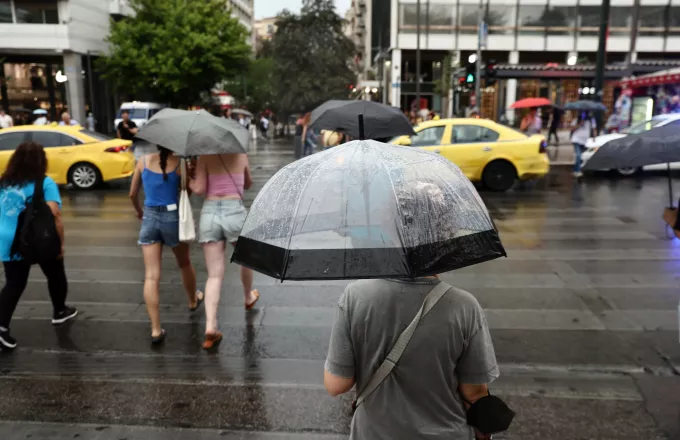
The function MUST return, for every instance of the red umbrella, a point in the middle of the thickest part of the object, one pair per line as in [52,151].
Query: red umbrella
[531,102]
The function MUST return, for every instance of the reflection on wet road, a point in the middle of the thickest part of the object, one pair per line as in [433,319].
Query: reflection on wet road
[581,311]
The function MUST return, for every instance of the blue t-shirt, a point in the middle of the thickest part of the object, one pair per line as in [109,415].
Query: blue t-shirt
[12,203]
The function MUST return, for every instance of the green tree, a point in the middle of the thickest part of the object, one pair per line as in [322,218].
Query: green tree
[254,88]
[312,57]
[174,50]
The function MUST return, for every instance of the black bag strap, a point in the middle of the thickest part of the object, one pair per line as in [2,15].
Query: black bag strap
[38,192]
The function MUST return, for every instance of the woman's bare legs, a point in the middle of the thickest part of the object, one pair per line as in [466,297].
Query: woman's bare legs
[214,260]
[182,255]
[250,295]
[152,277]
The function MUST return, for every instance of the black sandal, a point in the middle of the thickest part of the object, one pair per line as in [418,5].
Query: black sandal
[199,301]
[155,340]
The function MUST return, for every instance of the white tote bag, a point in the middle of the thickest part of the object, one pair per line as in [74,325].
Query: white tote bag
[187,229]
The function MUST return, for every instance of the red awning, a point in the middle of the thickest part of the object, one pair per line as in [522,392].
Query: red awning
[671,76]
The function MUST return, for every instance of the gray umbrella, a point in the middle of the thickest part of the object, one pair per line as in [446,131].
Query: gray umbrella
[658,145]
[194,133]
[380,120]
[240,111]
[585,106]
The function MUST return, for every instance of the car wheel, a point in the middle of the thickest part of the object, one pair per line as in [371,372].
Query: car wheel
[499,176]
[628,171]
[84,176]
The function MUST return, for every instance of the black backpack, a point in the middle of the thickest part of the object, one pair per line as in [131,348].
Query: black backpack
[36,238]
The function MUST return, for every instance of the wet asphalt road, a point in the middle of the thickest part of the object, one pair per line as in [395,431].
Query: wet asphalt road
[583,313]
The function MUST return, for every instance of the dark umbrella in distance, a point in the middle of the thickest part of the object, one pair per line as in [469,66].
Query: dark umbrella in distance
[585,106]
[379,120]
[655,146]
[194,133]
[312,220]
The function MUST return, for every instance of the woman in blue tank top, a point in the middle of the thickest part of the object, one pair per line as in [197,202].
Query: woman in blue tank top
[160,226]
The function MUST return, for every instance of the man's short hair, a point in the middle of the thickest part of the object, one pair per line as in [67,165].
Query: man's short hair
[122,112]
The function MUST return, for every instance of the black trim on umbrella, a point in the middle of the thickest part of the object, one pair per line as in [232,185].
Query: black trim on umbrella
[360,263]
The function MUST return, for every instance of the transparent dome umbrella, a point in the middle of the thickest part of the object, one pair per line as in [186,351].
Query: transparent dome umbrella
[194,133]
[367,210]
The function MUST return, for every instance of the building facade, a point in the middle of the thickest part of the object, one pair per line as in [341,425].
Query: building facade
[263,30]
[244,10]
[541,47]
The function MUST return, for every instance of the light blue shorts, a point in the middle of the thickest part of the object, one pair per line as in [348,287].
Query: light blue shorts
[221,220]
[159,226]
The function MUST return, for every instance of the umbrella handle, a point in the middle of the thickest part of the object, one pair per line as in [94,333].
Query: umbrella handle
[361,127]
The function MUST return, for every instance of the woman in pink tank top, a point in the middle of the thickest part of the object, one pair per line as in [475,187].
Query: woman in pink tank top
[222,179]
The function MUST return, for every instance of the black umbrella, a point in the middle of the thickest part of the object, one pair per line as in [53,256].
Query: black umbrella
[655,146]
[366,209]
[585,106]
[380,120]
[194,133]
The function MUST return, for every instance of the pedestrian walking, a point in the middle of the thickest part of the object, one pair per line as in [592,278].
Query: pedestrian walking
[222,178]
[127,129]
[66,120]
[309,137]
[159,174]
[264,125]
[531,123]
[90,122]
[582,129]
[554,125]
[27,168]
[5,119]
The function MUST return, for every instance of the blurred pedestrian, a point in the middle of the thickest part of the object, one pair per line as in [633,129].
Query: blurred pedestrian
[160,226]
[554,125]
[5,119]
[222,179]
[41,120]
[227,113]
[445,368]
[66,120]
[90,121]
[264,125]
[309,137]
[531,123]
[27,167]
[127,129]
[582,130]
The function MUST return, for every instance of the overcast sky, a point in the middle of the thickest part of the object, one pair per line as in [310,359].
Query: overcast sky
[269,8]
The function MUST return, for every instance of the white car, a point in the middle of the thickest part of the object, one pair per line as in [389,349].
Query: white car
[657,121]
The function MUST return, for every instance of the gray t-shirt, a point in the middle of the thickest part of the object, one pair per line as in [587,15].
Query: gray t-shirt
[420,399]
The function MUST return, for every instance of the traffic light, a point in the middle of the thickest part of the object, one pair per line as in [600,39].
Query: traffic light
[490,72]
[470,71]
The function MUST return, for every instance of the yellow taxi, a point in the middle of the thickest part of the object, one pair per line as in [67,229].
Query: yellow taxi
[74,155]
[484,150]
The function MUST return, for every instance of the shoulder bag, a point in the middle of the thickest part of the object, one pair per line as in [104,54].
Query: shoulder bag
[187,228]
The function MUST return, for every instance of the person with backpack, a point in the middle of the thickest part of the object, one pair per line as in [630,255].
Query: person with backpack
[31,232]
[160,175]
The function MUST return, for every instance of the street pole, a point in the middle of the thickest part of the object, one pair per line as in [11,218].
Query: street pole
[633,37]
[478,67]
[601,58]
[418,56]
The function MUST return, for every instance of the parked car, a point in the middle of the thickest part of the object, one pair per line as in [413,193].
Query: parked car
[657,121]
[484,150]
[140,112]
[81,157]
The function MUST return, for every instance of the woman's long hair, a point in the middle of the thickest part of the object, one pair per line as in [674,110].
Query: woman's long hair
[164,154]
[27,164]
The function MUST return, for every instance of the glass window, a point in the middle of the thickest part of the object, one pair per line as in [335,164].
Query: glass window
[468,18]
[5,11]
[468,134]
[588,20]
[10,141]
[428,137]
[441,16]
[69,140]
[619,20]
[643,126]
[501,19]
[674,20]
[36,12]
[652,20]
[560,20]
[532,19]
[135,113]
[48,138]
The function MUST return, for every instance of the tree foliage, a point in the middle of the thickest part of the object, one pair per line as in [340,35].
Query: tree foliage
[311,56]
[254,88]
[172,51]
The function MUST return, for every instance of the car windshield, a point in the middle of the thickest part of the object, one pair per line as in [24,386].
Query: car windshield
[135,113]
[99,136]
[643,126]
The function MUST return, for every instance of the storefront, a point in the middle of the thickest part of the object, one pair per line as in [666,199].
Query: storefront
[653,94]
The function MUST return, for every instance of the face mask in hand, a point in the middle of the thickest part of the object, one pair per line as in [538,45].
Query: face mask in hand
[489,415]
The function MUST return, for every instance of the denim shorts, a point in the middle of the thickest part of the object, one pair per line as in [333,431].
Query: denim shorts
[221,220]
[159,226]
